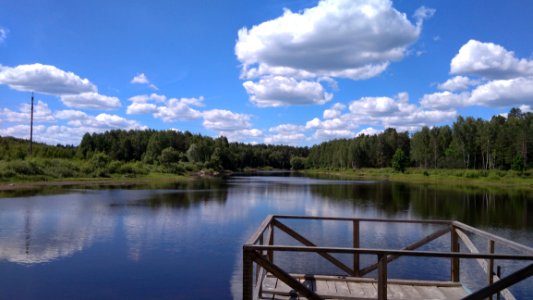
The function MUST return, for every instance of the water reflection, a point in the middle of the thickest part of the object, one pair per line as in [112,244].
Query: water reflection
[474,206]
[163,241]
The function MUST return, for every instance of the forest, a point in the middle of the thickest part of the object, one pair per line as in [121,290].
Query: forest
[500,143]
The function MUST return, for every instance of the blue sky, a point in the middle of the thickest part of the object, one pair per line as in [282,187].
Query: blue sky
[285,72]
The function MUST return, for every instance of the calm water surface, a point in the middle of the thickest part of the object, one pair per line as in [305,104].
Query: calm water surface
[185,241]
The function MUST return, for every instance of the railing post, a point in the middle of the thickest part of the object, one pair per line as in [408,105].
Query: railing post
[247,274]
[455,263]
[356,245]
[382,277]
[490,265]
[270,253]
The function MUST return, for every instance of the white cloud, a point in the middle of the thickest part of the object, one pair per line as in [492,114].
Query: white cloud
[225,120]
[368,131]
[287,128]
[145,98]
[44,79]
[351,39]
[286,138]
[114,121]
[444,100]
[335,111]
[70,115]
[281,91]
[141,108]
[457,83]
[3,34]
[328,134]
[509,92]
[490,61]
[242,135]
[140,79]
[177,110]
[423,13]
[90,100]
[41,113]
[143,79]
[78,124]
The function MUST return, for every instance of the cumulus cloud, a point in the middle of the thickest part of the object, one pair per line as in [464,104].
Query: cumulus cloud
[286,138]
[368,131]
[146,98]
[137,108]
[444,100]
[335,111]
[90,100]
[281,91]
[457,83]
[287,128]
[77,124]
[41,113]
[225,120]
[44,79]
[507,92]
[355,39]
[143,79]
[490,61]
[176,110]
[345,36]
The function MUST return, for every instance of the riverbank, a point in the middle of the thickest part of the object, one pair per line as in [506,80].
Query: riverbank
[493,178]
[150,179]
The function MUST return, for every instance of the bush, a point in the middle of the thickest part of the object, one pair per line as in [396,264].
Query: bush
[22,167]
[133,168]
[297,163]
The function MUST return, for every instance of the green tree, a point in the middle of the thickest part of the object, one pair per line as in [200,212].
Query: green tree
[400,161]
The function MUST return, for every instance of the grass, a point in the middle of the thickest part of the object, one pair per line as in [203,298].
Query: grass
[496,178]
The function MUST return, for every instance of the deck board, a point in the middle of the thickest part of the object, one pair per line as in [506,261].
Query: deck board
[353,288]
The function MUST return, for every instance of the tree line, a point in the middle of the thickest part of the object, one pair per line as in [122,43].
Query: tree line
[469,143]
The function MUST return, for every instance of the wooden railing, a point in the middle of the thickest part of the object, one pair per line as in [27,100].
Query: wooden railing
[258,255]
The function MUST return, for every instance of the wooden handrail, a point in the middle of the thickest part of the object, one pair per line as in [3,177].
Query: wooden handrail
[308,243]
[501,284]
[260,250]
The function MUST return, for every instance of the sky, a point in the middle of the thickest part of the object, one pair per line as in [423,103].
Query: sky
[295,72]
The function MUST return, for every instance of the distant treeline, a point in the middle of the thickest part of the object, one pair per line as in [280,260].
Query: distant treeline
[501,143]
[166,147]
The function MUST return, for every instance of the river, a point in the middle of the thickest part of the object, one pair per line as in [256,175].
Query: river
[184,240]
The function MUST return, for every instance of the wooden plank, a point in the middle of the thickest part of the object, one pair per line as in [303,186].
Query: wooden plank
[356,289]
[411,292]
[453,292]
[342,288]
[395,291]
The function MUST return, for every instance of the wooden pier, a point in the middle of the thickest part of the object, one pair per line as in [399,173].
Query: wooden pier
[264,279]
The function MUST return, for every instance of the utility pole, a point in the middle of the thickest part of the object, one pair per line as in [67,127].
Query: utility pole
[31,126]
